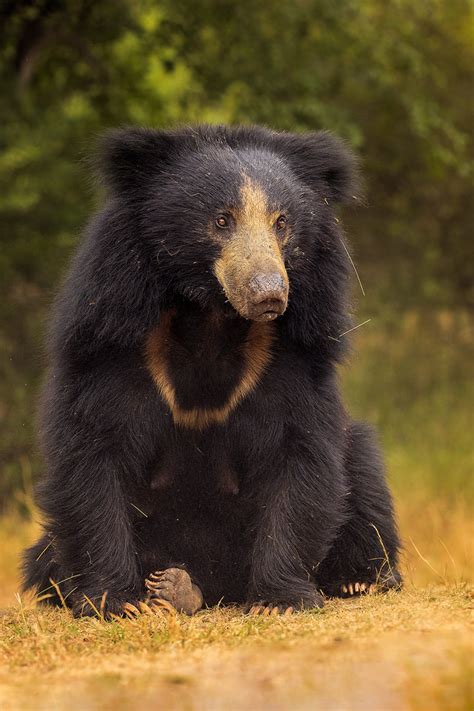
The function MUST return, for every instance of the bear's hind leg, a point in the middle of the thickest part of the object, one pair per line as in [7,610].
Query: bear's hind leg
[364,557]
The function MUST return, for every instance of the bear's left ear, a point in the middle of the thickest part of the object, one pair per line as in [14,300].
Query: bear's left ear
[320,159]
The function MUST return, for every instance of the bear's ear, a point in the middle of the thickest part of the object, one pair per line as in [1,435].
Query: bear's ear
[128,158]
[320,159]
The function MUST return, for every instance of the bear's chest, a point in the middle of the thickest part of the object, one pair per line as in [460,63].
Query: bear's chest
[204,364]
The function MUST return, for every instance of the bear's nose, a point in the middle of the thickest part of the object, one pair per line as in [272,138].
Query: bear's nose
[268,295]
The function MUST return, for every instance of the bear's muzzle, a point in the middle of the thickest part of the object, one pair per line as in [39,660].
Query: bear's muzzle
[267,296]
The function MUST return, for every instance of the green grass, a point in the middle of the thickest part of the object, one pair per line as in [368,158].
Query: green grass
[413,379]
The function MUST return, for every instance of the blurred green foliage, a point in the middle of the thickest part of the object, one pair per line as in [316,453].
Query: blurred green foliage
[392,77]
[411,376]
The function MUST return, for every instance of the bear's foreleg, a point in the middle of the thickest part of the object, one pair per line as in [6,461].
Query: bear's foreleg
[90,523]
[301,510]
[95,437]
[364,556]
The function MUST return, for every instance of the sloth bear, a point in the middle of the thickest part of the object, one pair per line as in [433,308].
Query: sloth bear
[197,448]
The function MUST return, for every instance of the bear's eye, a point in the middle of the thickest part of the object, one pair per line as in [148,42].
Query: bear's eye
[222,222]
[281,222]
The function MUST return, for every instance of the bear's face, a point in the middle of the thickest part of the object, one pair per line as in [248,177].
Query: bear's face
[232,224]
[230,215]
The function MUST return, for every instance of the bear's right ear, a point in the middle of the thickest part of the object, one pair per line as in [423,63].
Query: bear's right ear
[128,158]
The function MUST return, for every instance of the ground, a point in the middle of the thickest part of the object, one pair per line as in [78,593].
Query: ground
[411,650]
[408,651]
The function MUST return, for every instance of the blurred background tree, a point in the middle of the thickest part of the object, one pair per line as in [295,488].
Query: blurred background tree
[392,77]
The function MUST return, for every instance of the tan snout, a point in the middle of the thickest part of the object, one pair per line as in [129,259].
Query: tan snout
[250,267]
[257,288]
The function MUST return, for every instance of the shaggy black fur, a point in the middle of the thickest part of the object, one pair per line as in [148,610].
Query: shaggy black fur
[285,498]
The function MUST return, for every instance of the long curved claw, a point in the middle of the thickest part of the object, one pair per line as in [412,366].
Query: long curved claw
[131,610]
[270,610]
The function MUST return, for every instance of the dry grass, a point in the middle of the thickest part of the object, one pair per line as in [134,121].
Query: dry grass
[407,651]
[411,650]
[438,537]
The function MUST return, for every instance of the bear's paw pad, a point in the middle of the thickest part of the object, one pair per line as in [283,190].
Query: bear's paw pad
[173,588]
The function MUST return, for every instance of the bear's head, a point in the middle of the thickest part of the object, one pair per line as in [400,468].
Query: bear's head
[238,217]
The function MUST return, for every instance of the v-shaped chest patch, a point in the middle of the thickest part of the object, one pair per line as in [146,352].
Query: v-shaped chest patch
[255,353]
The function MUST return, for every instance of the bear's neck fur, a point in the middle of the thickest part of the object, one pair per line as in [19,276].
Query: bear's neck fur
[205,362]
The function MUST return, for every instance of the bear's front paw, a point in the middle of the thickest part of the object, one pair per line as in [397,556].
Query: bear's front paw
[285,604]
[265,608]
[105,605]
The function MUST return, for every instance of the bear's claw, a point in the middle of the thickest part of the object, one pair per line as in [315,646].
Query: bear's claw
[131,611]
[266,609]
[359,589]
[393,581]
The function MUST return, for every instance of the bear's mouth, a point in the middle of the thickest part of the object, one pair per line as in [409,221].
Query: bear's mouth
[267,310]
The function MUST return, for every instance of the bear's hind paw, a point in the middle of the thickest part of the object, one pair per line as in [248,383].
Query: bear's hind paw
[173,588]
[351,589]
[391,582]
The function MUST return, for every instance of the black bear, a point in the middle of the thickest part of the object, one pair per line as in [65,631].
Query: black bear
[197,448]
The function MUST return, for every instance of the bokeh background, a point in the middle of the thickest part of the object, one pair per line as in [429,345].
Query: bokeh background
[393,77]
